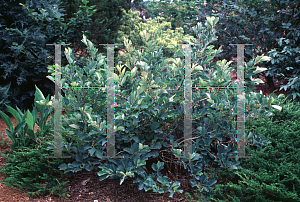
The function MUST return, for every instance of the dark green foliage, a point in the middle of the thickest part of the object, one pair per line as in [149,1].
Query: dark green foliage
[70,7]
[105,22]
[179,13]
[3,95]
[24,54]
[261,23]
[28,169]
[258,20]
[273,174]
[255,181]
[289,55]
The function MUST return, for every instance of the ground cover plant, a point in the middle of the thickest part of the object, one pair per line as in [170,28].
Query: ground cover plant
[27,167]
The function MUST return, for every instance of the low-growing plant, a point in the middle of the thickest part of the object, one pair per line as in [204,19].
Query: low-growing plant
[5,142]
[23,126]
[145,101]
[29,170]
[27,166]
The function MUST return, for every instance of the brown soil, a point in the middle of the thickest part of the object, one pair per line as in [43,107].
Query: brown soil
[85,186]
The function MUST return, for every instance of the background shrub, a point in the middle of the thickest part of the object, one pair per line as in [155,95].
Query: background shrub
[105,23]
[24,54]
[160,32]
[261,23]
[3,95]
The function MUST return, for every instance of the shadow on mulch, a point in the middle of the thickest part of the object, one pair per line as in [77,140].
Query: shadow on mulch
[86,186]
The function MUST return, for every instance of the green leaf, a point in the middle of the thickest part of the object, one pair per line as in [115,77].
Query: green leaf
[158,131]
[7,121]
[20,125]
[39,97]
[163,116]
[76,163]
[34,114]
[277,107]
[92,151]
[29,121]
[98,153]
[259,70]
[133,72]
[198,68]
[79,158]
[154,167]
[141,89]
[63,166]
[12,137]
[265,58]
[14,113]
[123,80]
[74,126]
[154,125]
[179,53]
[160,165]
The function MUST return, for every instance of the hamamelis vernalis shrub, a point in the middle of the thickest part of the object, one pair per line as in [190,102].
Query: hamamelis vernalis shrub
[148,98]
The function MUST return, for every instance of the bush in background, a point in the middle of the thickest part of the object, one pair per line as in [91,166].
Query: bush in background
[105,23]
[3,95]
[160,32]
[260,22]
[24,54]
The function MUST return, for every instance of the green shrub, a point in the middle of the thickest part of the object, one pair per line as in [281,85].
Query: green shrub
[3,95]
[289,55]
[146,103]
[105,22]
